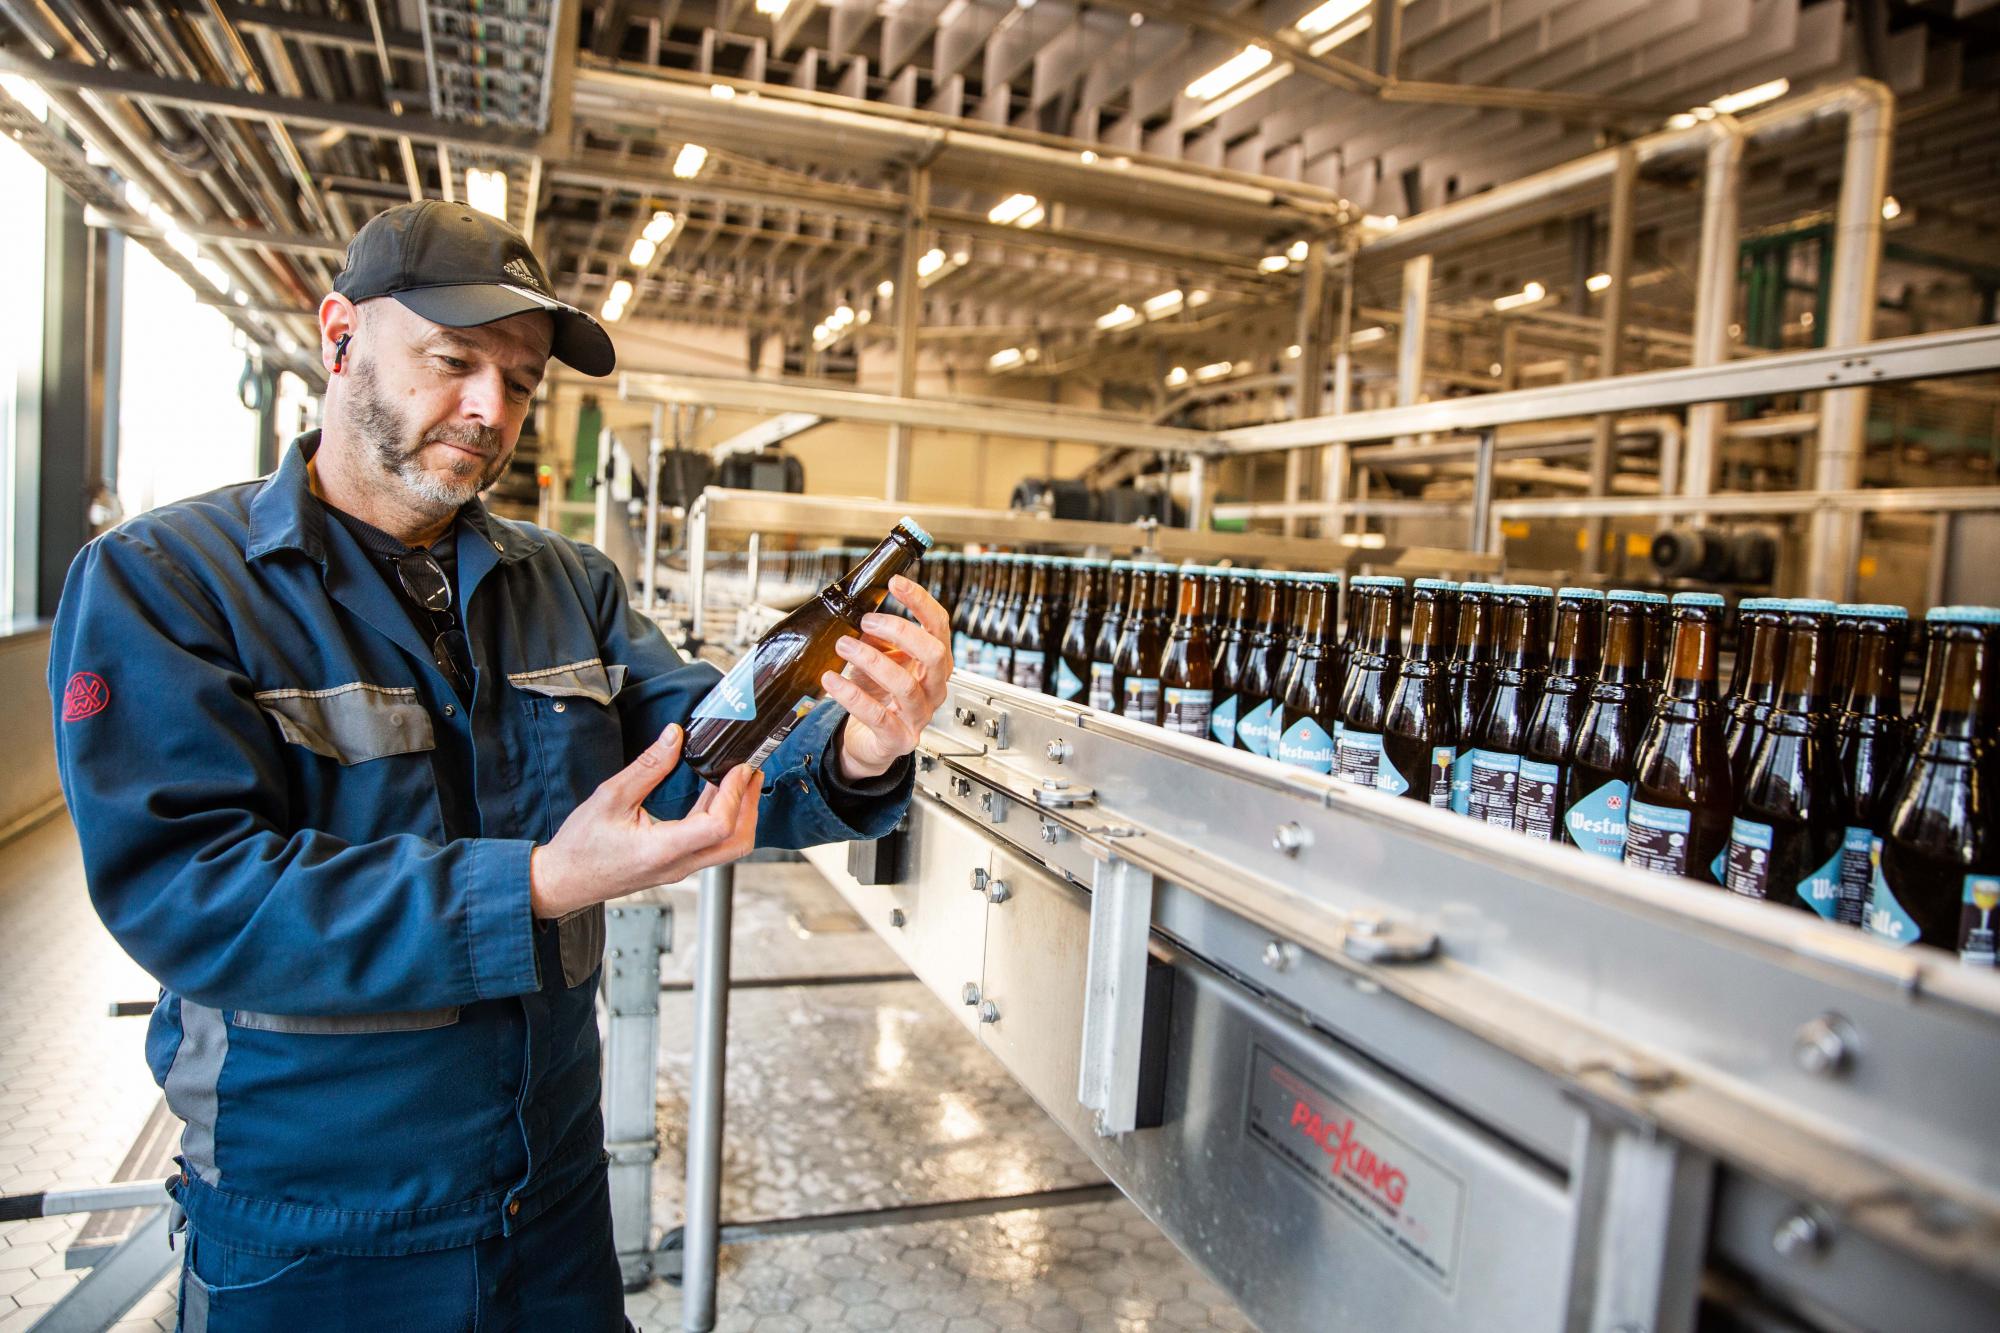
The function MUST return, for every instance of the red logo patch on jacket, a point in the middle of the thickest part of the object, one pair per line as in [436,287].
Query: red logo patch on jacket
[86,695]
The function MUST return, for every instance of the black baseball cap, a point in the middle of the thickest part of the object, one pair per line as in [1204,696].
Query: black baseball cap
[459,267]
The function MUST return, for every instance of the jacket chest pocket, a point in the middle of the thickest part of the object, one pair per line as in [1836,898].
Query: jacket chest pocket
[359,758]
[352,723]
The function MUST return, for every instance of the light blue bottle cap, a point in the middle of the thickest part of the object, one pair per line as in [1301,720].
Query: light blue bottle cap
[1639,595]
[1964,615]
[1871,611]
[1809,606]
[1378,581]
[1435,585]
[915,529]
[1486,589]
[1761,604]
[1582,594]
[1697,599]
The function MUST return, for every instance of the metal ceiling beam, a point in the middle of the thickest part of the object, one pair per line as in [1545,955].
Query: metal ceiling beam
[134,225]
[973,415]
[266,108]
[313,31]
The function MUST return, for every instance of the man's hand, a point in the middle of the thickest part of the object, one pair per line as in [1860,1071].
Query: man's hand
[895,679]
[609,846]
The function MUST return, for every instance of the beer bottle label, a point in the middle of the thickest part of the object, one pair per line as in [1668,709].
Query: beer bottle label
[1186,711]
[1222,721]
[778,734]
[1461,784]
[1068,686]
[1975,924]
[1100,688]
[1856,875]
[1444,762]
[961,649]
[1656,838]
[999,662]
[1491,799]
[1254,729]
[1821,889]
[1028,664]
[1746,867]
[1305,744]
[1887,921]
[1142,699]
[1597,821]
[1357,757]
[1537,794]
[1389,779]
[734,698]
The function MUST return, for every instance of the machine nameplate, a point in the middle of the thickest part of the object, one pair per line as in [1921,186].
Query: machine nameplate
[1407,1200]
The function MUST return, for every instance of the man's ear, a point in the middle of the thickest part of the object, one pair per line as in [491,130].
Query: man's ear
[339,321]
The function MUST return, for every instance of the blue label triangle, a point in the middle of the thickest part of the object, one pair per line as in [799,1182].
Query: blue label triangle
[734,698]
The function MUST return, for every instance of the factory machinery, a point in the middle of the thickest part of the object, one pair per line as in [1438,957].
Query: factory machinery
[1372,1065]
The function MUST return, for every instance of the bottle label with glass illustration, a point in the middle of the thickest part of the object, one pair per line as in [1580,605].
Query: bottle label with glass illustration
[1142,699]
[1597,822]
[1101,697]
[1491,798]
[1975,926]
[1537,793]
[1068,684]
[1305,744]
[1028,665]
[1444,763]
[1656,838]
[1186,711]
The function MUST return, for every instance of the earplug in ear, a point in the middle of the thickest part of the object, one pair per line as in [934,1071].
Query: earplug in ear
[340,350]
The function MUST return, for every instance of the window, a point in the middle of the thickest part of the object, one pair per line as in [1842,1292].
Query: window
[23,223]
[182,426]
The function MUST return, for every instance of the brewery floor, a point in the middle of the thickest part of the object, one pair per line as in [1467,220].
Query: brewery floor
[842,1096]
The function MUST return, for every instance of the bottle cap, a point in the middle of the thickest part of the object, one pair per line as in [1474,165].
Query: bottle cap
[1435,585]
[1762,604]
[1639,595]
[915,529]
[1582,594]
[1964,615]
[1378,581]
[1809,606]
[1697,599]
[1465,589]
[1871,611]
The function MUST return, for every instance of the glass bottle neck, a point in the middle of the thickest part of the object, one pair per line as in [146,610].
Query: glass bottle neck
[1426,628]
[1874,689]
[1475,630]
[1805,648]
[1624,645]
[1691,674]
[1955,715]
[1577,632]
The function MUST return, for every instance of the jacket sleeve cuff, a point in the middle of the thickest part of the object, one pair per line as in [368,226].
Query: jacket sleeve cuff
[499,922]
[818,810]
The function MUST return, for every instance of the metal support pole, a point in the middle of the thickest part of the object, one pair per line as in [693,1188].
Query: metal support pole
[1481,538]
[636,931]
[655,451]
[1834,539]
[909,308]
[1416,325]
[1311,337]
[697,549]
[753,567]
[1200,498]
[701,1237]
[1714,295]
[1618,263]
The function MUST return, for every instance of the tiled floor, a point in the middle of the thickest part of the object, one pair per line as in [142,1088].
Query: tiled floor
[845,1096]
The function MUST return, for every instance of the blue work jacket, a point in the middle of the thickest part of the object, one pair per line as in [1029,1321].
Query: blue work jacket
[290,819]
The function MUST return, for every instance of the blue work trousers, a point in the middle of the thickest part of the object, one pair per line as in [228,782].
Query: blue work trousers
[559,1273]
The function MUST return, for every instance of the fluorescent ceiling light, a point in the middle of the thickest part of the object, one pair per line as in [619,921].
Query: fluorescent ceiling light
[1362,337]
[1742,100]
[1329,16]
[1298,251]
[1122,318]
[885,289]
[1214,371]
[932,261]
[1229,73]
[841,317]
[183,244]
[721,92]
[1007,358]
[1891,209]
[643,251]
[1089,158]
[1273,264]
[953,12]
[659,228]
[487,191]
[1177,377]
[1293,352]
[621,292]
[1013,209]
[218,276]
[1528,295]
[771,8]
[611,312]
[1196,298]
[689,161]
[1598,282]
[1380,221]
[1166,303]
[28,93]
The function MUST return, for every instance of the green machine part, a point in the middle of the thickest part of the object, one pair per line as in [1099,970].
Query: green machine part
[589,425]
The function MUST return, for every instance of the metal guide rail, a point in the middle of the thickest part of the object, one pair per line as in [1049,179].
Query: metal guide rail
[1286,1016]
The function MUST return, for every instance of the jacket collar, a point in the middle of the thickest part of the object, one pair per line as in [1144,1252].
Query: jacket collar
[284,515]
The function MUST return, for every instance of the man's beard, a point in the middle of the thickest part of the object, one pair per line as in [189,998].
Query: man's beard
[376,420]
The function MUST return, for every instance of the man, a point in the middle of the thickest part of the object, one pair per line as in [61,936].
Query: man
[355,765]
